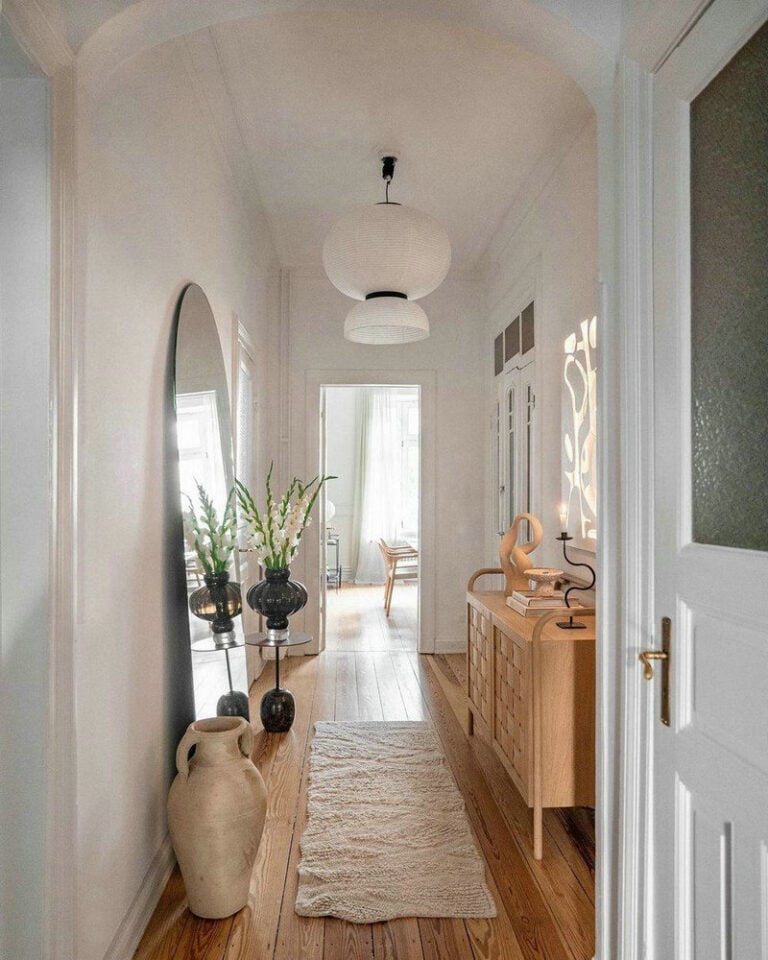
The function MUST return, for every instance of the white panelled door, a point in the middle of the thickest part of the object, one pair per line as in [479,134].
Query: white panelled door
[709,865]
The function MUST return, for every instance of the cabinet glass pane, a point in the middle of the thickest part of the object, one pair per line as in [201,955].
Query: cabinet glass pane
[499,474]
[729,301]
[512,339]
[498,354]
[511,418]
[527,330]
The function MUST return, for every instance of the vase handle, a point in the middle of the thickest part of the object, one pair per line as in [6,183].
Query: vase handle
[245,741]
[190,738]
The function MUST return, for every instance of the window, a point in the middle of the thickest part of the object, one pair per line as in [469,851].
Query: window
[200,456]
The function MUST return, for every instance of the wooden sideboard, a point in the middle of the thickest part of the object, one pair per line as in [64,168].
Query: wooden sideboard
[531,693]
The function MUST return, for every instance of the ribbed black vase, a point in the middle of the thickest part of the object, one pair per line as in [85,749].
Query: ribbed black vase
[218,601]
[277,597]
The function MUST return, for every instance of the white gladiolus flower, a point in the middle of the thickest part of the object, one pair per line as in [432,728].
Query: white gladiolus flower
[275,532]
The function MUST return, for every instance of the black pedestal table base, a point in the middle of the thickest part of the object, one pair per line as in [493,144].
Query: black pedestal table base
[278,707]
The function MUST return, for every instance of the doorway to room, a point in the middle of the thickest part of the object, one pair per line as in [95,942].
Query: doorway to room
[371,444]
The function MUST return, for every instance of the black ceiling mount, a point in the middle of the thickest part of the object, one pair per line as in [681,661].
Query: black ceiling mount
[388,168]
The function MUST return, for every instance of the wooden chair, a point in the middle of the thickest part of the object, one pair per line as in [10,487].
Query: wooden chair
[404,557]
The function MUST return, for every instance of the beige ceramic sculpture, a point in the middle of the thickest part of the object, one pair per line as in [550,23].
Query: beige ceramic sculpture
[514,557]
[216,810]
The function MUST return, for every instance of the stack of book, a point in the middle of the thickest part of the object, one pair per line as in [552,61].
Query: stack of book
[527,603]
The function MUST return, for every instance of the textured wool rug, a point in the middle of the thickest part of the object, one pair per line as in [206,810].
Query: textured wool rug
[387,834]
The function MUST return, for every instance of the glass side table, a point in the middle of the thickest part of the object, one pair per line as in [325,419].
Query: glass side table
[234,703]
[278,708]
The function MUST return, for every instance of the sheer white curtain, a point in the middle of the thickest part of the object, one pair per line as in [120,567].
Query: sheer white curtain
[378,502]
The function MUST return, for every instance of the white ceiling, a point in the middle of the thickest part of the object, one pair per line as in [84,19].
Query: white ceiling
[313,96]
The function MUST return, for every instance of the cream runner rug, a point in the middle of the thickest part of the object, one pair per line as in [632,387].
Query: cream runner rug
[387,835]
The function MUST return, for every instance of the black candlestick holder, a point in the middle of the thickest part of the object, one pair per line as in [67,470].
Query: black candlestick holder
[570,624]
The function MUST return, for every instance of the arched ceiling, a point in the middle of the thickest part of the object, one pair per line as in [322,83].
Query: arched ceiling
[305,99]
[315,95]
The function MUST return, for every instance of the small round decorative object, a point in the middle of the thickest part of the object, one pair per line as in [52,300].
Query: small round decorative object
[278,709]
[545,579]
[218,601]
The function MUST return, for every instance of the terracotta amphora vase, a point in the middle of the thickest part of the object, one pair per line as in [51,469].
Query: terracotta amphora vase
[216,810]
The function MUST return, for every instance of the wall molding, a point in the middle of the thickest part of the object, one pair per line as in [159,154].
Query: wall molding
[284,378]
[44,42]
[653,36]
[637,471]
[134,923]
[61,747]
[610,665]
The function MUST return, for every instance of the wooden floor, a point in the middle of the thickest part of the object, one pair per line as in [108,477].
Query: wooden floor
[355,618]
[545,908]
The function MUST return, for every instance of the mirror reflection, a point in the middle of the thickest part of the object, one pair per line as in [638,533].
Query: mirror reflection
[204,430]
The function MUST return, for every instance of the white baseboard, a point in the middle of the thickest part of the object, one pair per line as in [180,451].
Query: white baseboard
[450,646]
[134,923]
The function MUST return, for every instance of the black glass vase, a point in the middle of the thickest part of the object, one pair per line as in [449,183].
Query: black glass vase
[218,601]
[276,597]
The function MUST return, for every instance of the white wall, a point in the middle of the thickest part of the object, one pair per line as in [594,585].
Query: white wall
[453,353]
[25,509]
[548,243]
[158,209]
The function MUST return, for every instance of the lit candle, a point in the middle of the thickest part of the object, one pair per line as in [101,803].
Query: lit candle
[563,510]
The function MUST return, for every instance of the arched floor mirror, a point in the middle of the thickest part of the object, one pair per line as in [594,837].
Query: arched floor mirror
[204,431]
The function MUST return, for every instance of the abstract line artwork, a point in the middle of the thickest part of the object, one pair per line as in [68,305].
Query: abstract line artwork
[580,433]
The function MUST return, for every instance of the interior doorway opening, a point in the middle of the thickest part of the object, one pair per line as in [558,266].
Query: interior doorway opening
[370,547]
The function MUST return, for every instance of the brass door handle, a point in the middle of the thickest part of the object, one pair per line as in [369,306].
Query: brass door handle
[645,658]
[665,656]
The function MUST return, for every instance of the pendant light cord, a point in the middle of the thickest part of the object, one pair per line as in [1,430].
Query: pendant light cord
[387,172]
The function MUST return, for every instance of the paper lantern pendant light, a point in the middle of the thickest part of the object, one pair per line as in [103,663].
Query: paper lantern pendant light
[386,255]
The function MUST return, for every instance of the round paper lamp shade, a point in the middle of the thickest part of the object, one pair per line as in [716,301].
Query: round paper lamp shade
[386,247]
[386,320]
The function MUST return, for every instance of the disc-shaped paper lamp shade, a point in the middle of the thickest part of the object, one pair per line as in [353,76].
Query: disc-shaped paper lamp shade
[386,320]
[386,247]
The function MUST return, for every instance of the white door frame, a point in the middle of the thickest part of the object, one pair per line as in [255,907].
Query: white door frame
[635,580]
[426,380]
